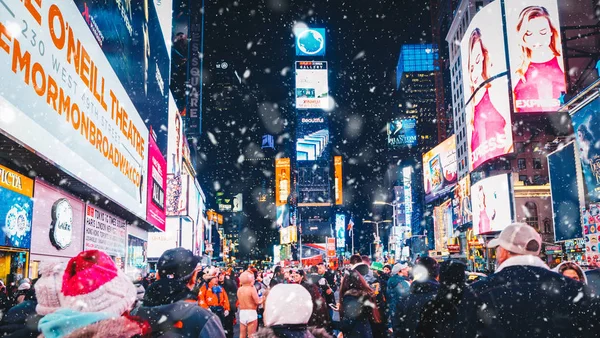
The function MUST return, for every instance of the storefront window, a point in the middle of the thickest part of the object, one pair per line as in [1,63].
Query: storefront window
[136,254]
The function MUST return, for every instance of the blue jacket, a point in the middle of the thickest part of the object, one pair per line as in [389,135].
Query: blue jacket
[408,309]
[529,301]
[397,287]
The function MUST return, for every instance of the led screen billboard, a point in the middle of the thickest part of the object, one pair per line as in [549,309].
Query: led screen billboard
[313,183]
[462,202]
[586,124]
[407,173]
[312,141]
[311,42]
[567,197]
[536,55]
[486,89]
[340,230]
[338,180]
[440,169]
[312,88]
[283,216]
[492,204]
[63,97]
[282,181]
[443,225]
[157,186]
[402,133]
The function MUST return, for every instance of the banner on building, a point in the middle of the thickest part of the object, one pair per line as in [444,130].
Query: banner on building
[282,181]
[339,180]
[104,231]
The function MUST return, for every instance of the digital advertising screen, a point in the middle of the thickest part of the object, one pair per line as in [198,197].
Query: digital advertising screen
[311,42]
[492,204]
[443,225]
[586,124]
[282,181]
[315,221]
[157,187]
[536,55]
[313,183]
[407,176]
[440,169]
[462,202]
[312,87]
[338,180]
[283,216]
[312,141]
[402,133]
[486,88]
[340,230]
[567,197]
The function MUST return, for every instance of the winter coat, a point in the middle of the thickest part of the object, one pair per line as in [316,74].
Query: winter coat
[357,315]
[525,299]
[320,314]
[167,291]
[397,287]
[291,331]
[231,288]
[408,309]
[213,296]
[323,285]
[181,319]
[439,317]
[20,321]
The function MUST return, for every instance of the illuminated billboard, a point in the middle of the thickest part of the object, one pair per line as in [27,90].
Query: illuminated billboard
[536,55]
[492,204]
[338,180]
[407,184]
[283,216]
[462,202]
[312,141]
[443,225]
[312,88]
[310,42]
[402,133]
[586,124]
[340,230]
[486,89]
[313,184]
[282,181]
[440,169]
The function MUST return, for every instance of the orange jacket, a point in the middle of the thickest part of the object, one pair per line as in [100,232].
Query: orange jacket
[207,298]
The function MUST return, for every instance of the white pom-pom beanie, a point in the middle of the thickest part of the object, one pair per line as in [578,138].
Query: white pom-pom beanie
[288,304]
[47,288]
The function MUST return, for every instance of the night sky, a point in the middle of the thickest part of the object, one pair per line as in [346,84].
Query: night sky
[363,44]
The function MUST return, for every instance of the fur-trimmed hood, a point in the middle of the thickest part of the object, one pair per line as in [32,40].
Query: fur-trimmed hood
[523,260]
[291,332]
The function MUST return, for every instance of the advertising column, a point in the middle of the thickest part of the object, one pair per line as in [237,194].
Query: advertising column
[15,235]
[106,232]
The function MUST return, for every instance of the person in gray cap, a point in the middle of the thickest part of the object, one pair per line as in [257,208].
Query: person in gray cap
[397,287]
[523,298]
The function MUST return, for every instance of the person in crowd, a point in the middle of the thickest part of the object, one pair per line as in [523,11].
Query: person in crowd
[138,281]
[230,287]
[329,275]
[422,290]
[379,286]
[212,296]
[248,305]
[21,320]
[312,283]
[369,277]
[288,309]
[316,277]
[174,273]
[572,270]
[523,298]
[261,289]
[357,264]
[397,287]
[278,277]
[296,276]
[357,307]
[439,315]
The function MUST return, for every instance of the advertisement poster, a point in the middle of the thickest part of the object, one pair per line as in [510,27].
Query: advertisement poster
[282,181]
[402,133]
[157,184]
[314,187]
[339,180]
[586,124]
[159,242]
[177,194]
[486,89]
[492,204]
[330,247]
[462,202]
[104,231]
[136,254]
[440,169]
[62,99]
[407,173]
[567,192]
[340,230]
[312,142]
[443,225]
[310,42]
[283,216]
[536,55]
[16,209]
[130,36]
[312,88]
[399,199]
[591,233]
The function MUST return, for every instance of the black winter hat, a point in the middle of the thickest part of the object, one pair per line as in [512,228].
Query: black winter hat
[179,263]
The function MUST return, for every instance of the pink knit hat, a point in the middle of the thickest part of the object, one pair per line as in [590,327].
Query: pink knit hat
[92,283]
[47,288]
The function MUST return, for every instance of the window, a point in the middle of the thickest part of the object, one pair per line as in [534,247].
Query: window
[522,164]
[531,215]
[523,178]
[537,163]
[519,147]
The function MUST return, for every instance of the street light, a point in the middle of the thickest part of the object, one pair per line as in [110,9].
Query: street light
[377,238]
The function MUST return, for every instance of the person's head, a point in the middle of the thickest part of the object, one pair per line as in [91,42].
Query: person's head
[400,269]
[321,268]
[387,269]
[288,304]
[426,268]
[179,264]
[287,275]
[537,34]
[295,277]
[573,271]
[313,269]
[246,279]
[517,239]
[355,259]
[221,278]
[452,273]
[479,61]
[366,259]
[211,276]
[353,280]
[278,271]
[481,193]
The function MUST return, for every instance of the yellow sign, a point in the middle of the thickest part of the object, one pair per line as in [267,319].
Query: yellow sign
[339,183]
[282,181]
[16,182]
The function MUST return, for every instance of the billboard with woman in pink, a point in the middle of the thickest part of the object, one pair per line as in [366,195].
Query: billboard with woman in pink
[492,204]
[536,55]
[485,81]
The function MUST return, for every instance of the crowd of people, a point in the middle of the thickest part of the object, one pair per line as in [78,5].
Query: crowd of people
[89,296]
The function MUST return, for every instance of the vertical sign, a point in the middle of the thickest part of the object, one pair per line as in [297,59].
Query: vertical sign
[407,178]
[340,230]
[282,181]
[157,183]
[330,247]
[339,183]
[194,103]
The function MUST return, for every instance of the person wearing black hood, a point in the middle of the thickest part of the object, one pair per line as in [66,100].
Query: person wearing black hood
[422,290]
[439,316]
[175,268]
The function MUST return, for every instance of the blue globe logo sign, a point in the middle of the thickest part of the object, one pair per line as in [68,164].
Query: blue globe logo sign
[311,42]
